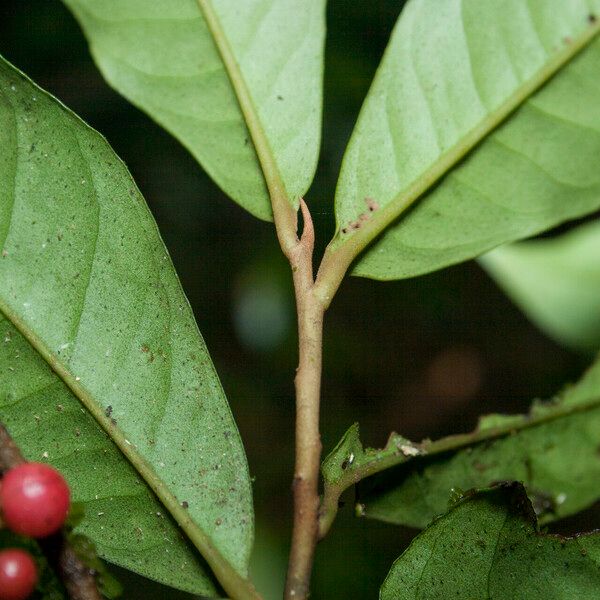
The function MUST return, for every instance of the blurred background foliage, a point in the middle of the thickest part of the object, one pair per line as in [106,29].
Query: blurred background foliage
[424,356]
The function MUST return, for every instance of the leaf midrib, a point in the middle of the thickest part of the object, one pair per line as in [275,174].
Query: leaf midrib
[342,251]
[283,210]
[158,486]
[458,442]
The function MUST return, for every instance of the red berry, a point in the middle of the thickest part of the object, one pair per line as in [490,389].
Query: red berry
[34,500]
[18,575]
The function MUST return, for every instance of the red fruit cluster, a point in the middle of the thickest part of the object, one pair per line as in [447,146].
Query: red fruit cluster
[34,501]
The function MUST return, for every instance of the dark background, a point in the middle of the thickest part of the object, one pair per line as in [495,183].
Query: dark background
[423,356]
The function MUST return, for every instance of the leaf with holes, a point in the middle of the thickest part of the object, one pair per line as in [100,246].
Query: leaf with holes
[494,129]
[555,282]
[238,83]
[97,333]
[553,449]
[488,545]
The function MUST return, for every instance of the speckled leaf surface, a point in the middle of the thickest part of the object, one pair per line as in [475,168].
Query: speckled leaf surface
[488,545]
[553,450]
[88,283]
[162,57]
[556,282]
[438,133]
[128,524]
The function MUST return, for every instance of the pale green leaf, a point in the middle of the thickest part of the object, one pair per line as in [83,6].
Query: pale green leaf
[166,58]
[556,282]
[88,283]
[488,545]
[451,78]
[553,449]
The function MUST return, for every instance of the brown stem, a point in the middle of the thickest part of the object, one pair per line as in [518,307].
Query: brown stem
[10,455]
[77,578]
[308,441]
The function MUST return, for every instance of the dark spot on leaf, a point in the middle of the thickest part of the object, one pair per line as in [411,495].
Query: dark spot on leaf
[218,522]
[279,97]
[108,410]
[372,205]
[479,466]
[184,504]
[592,18]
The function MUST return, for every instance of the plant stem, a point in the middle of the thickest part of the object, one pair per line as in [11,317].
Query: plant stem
[308,440]
[310,324]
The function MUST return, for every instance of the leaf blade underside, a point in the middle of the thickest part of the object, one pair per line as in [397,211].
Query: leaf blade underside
[166,60]
[86,279]
[488,545]
[555,282]
[447,88]
[40,409]
[552,449]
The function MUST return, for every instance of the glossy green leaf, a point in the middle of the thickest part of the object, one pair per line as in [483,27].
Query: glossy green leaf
[88,284]
[553,449]
[447,88]
[556,282]
[167,58]
[488,545]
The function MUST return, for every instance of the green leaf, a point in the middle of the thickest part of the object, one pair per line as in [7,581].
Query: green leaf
[489,546]
[219,76]
[123,517]
[105,331]
[451,79]
[555,282]
[553,449]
